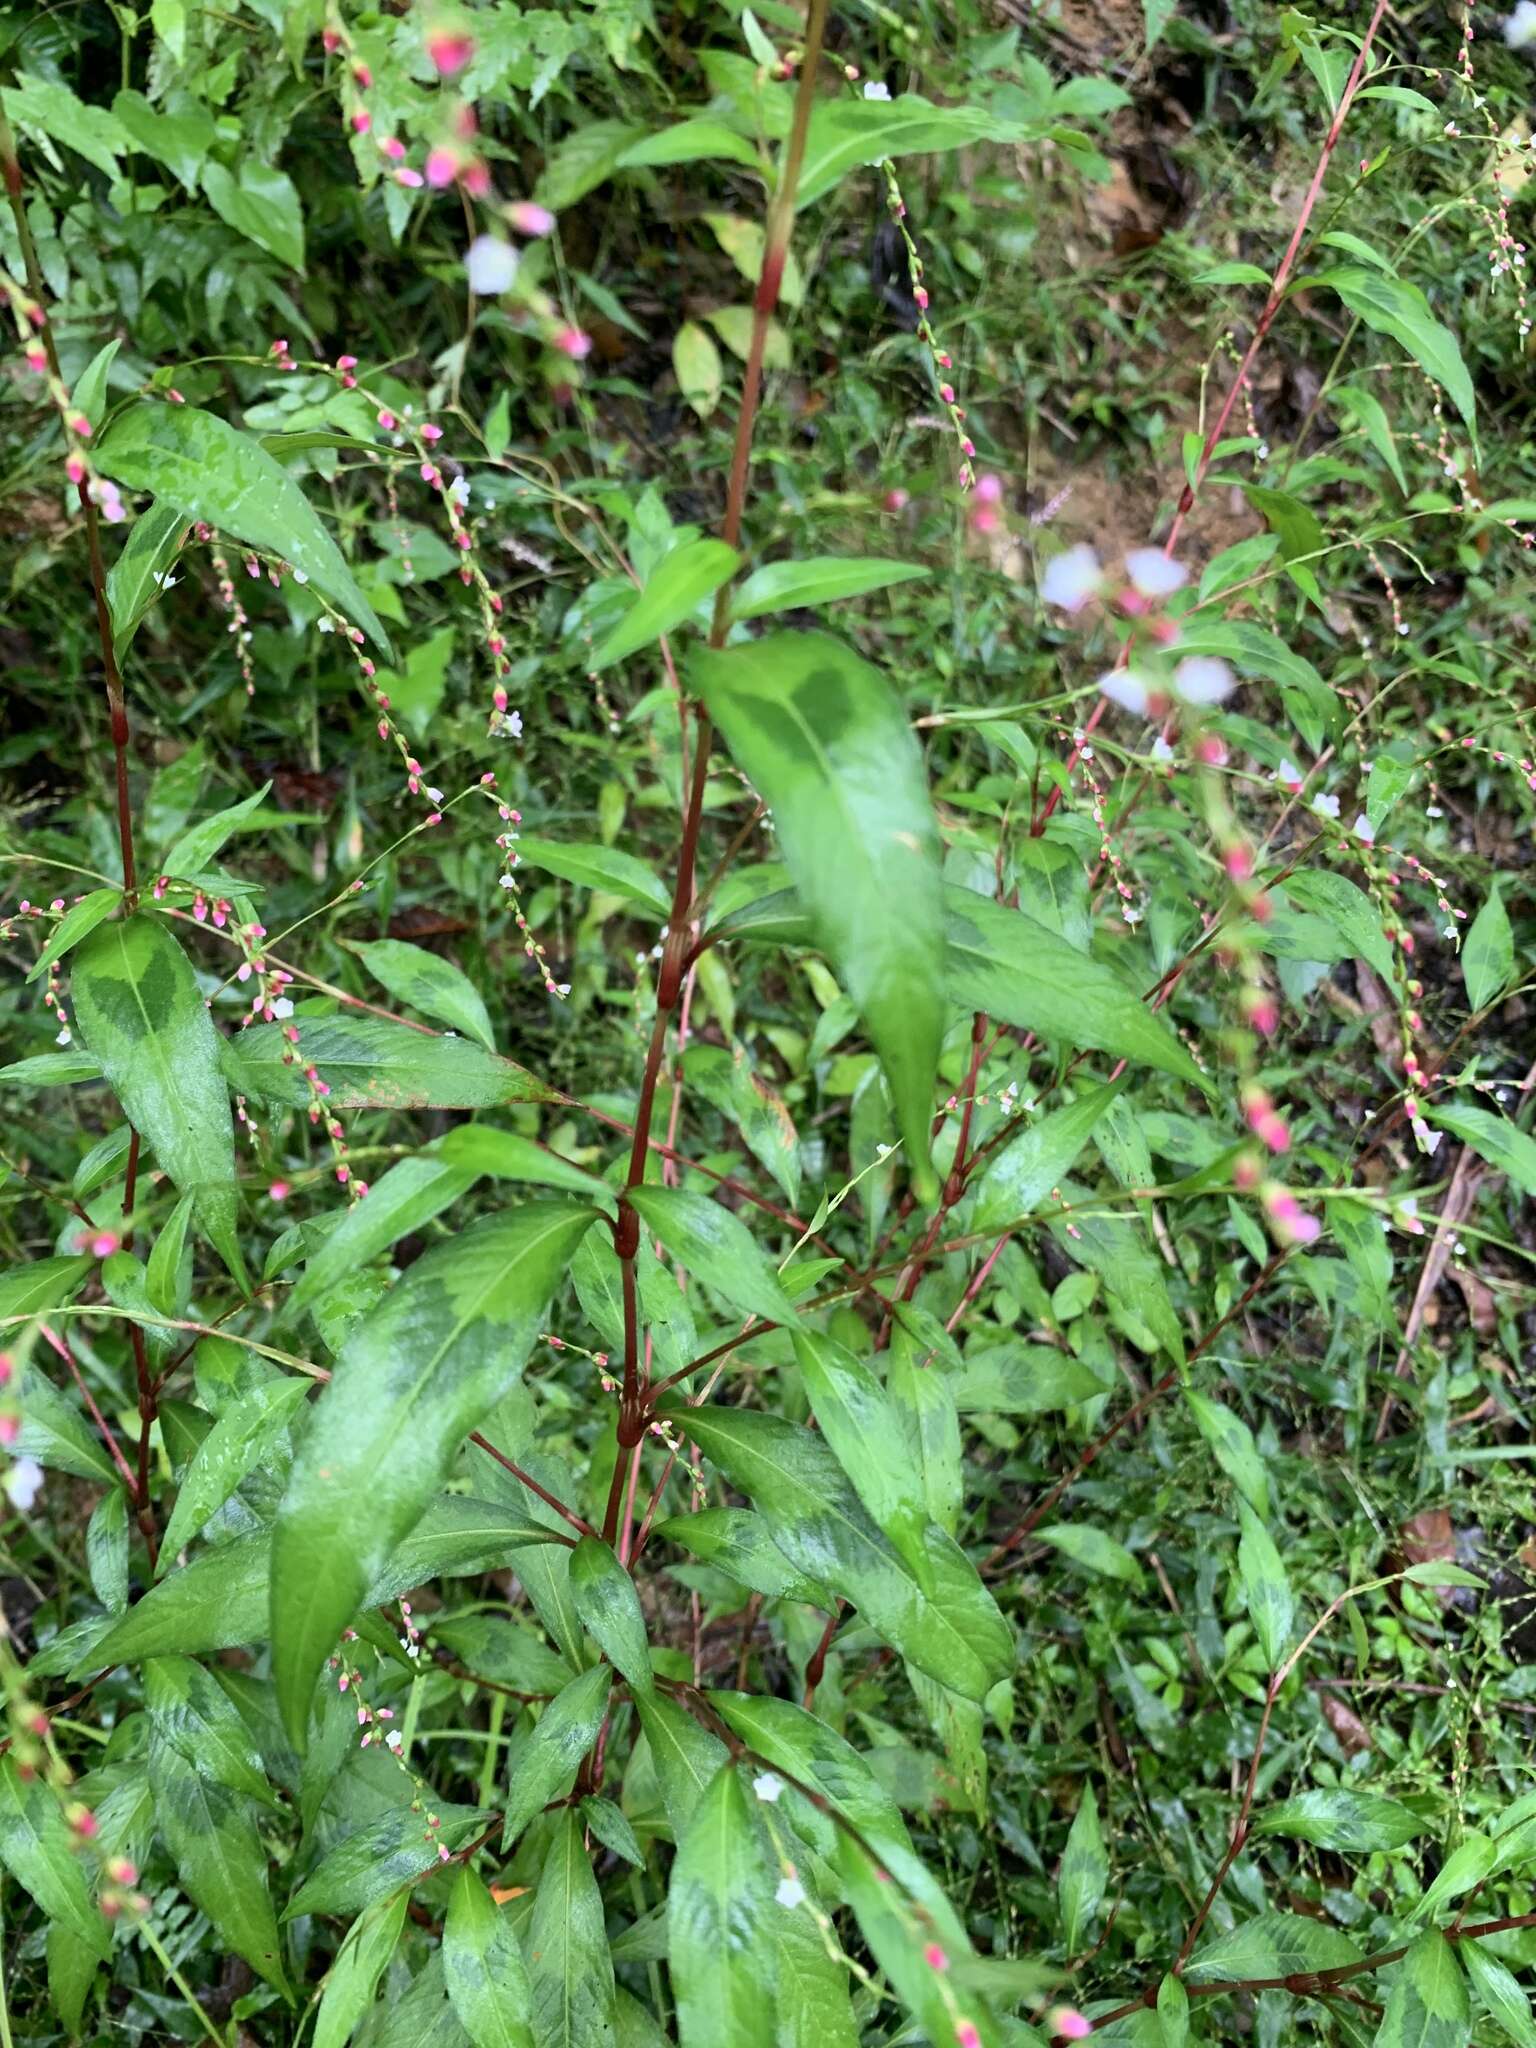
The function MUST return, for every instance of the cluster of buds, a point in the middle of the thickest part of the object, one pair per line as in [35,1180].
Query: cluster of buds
[1264,1120]
[30,321]
[941,362]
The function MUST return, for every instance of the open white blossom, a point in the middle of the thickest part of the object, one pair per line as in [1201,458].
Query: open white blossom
[1203,679]
[1153,573]
[1520,27]
[24,1482]
[768,1787]
[1071,578]
[1124,687]
[791,1892]
[1326,806]
[1364,830]
[874,90]
[491,265]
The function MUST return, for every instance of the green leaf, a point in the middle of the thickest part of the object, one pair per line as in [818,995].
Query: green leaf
[1487,952]
[194,850]
[583,160]
[90,392]
[435,987]
[402,1200]
[609,1607]
[598,867]
[211,1834]
[1499,1994]
[262,205]
[821,735]
[846,134]
[685,142]
[720,1917]
[1339,1818]
[368,1062]
[1236,1452]
[1427,2006]
[943,1620]
[238,1442]
[607,1822]
[360,1962]
[1464,1869]
[787,586]
[545,1764]
[570,1970]
[75,925]
[482,1149]
[106,1550]
[686,1757]
[736,1541]
[676,588]
[1494,1138]
[1232,273]
[1266,1588]
[484,1969]
[717,1246]
[859,1420]
[1020,972]
[163,1272]
[1400,310]
[57,1434]
[375,1860]
[1371,416]
[191,1713]
[1021,1176]
[53,110]
[141,1013]
[1084,1875]
[1094,1549]
[210,471]
[700,378]
[38,1849]
[1023,1379]
[142,572]
[181,141]
[1173,2011]
[1351,913]
[1273,1945]
[414,1378]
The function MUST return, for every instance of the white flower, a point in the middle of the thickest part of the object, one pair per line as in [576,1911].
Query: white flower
[24,1482]
[1153,573]
[791,1892]
[491,265]
[65,1036]
[1364,830]
[282,1006]
[874,90]
[1288,775]
[1161,751]
[1327,805]
[1071,578]
[506,882]
[324,626]
[1450,931]
[458,490]
[1124,687]
[1520,28]
[299,576]
[506,725]
[1429,1141]
[768,1787]
[436,795]
[164,580]
[1131,914]
[1433,811]
[1202,679]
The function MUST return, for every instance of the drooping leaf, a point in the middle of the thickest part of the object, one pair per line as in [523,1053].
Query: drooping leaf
[1427,2006]
[400,1201]
[1466,1866]
[483,1968]
[142,572]
[823,579]
[414,1378]
[1020,1177]
[1236,1453]
[1351,913]
[717,1246]
[609,1607]
[1020,972]
[720,1917]
[76,924]
[943,1620]
[700,377]
[1341,1817]
[38,1849]
[570,1970]
[858,1418]
[1500,1994]
[686,1756]
[1023,1379]
[435,987]
[1266,1587]
[847,133]
[210,471]
[824,740]
[370,1062]
[1092,1548]
[544,1766]
[192,852]
[482,1149]
[233,1448]
[375,1860]
[261,204]
[140,1012]
[212,1836]
[598,867]
[1272,1945]
[1488,952]
[106,1550]
[676,588]
[1494,1138]
[191,1713]
[1392,306]
[58,1434]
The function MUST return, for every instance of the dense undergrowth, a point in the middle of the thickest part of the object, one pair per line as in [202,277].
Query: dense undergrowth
[770,770]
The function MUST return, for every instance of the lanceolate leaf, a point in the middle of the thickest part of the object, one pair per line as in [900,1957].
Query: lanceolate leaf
[142,1014]
[209,470]
[1494,1138]
[77,922]
[717,1246]
[785,586]
[360,1962]
[1084,1875]
[411,1383]
[211,1834]
[1500,1994]
[504,1155]
[370,1863]
[399,1202]
[685,1755]
[1021,1176]
[859,1420]
[570,1969]
[598,867]
[1488,952]
[678,586]
[37,1848]
[545,1764]
[140,574]
[191,1713]
[721,1909]
[1428,2005]
[484,1969]
[823,738]
[435,987]
[1272,1945]
[237,1443]
[368,1061]
[943,1619]
[1343,1818]
[609,1607]
[1266,1588]
[1394,307]
[736,1540]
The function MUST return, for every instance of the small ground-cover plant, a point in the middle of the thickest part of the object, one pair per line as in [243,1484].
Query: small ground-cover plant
[770,1137]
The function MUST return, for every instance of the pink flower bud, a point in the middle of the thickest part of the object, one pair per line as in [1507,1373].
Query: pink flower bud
[392,147]
[279,1191]
[989,490]
[103,1244]
[966,2035]
[346,362]
[442,167]
[330,41]
[935,1957]
[362,121]
[451,52]
[412,180]
[573,343]
[10,1429]
[387,421]
[528,218]
[896,500]
[363,75]
[1069,2024]
[921,296]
